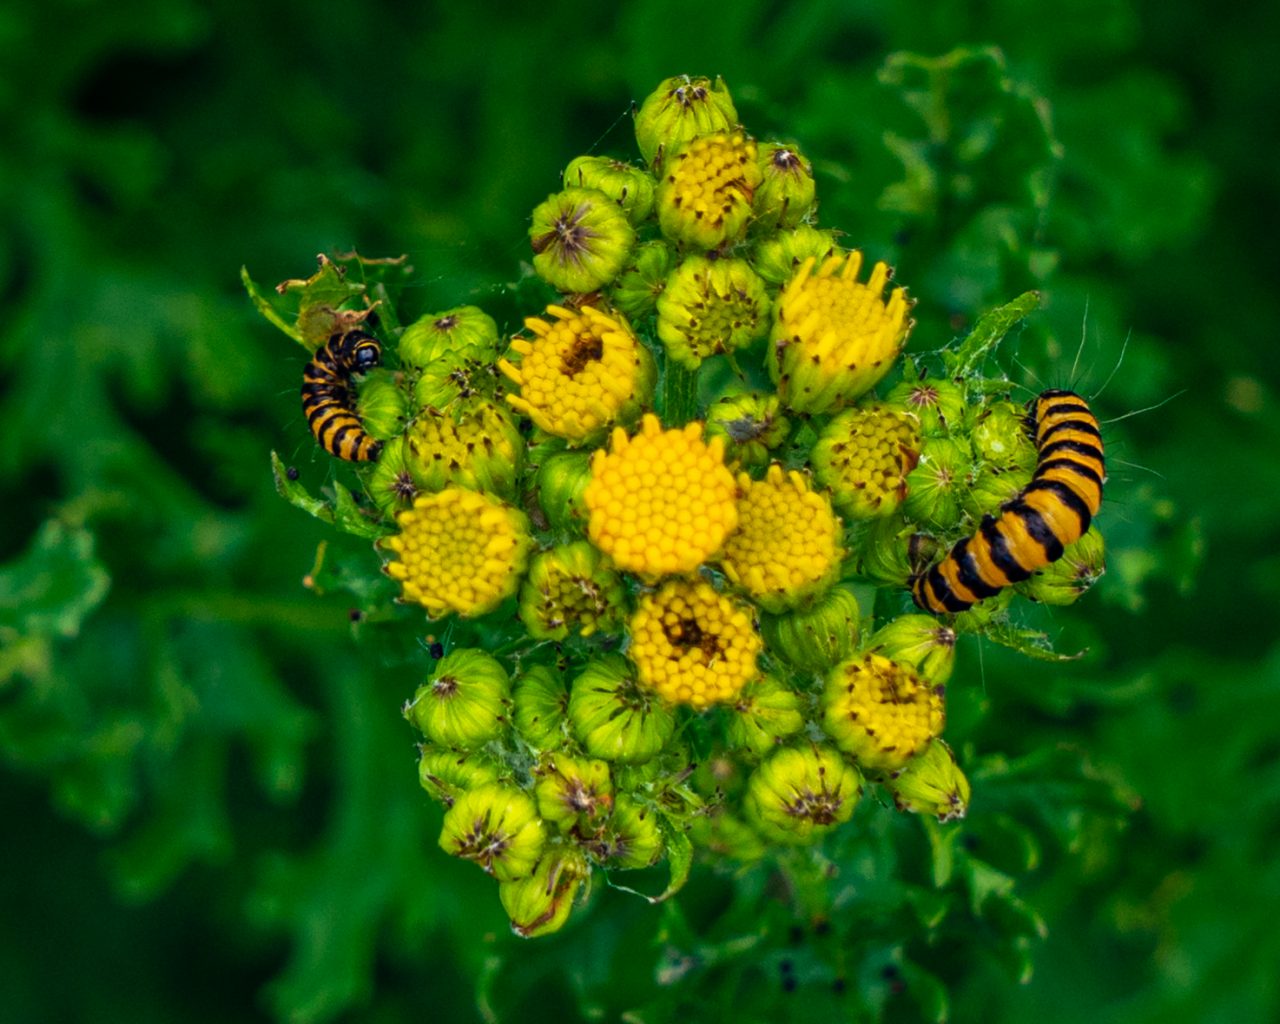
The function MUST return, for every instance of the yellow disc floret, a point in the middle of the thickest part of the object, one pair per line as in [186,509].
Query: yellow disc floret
[662,501]
[833,337]
[691,645]
[459,551]
[787,544]
[880,711]
[582,372]
[864,456]
[705,196]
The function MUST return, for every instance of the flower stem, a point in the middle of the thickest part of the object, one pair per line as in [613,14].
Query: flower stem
[679,394]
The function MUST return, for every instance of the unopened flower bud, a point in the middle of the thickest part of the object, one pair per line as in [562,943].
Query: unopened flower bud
[920,642]
[443,341]
[881,712]
[724,834]
[751,424]
[992,488]
[890,551]
[581,240]
[680,108]
[787,189]
[391,484]
[938,405]
[938,483]
[863,456]
[496,826]
[1079,568]
[815,638]
[541,903]
[705,195]
[562,479]
[381,404]
[710,307]
[541,702]
[573,792]
[569,589]
[798,794]
[1000,438]
[636,290]
[464,704]
[629,187]
[613,717]
[778,256]
[630,839]
[931,783]
[764,714]
[475,445]
[447,774]
[442,384]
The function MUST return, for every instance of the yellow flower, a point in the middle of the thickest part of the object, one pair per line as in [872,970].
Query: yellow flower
[787,544]
[880,711]
[475,444]
[863,456]
[833,337]
[704,197]
[662,501]
[459,551]
[581,373]
[691,645]
[711,306]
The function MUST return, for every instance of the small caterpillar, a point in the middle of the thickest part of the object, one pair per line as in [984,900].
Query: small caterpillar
[1051,512]
[328,401]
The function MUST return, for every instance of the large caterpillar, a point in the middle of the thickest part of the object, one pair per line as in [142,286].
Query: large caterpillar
[328,400]
[1051,512]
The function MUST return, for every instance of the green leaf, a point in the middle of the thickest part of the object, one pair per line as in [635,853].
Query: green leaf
[988,333]
[1029,642]
[53,585]
[350,517]
[268,311]
[296,495]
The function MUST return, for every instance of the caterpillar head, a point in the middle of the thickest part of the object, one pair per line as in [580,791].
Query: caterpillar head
[362,352]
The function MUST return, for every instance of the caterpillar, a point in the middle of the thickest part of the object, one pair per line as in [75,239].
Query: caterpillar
[1032,530]
[328,401]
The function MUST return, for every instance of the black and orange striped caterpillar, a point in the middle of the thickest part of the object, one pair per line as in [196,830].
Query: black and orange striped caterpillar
[328,400]
[1032,530]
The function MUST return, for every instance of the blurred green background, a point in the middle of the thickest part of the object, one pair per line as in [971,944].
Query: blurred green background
[210,802]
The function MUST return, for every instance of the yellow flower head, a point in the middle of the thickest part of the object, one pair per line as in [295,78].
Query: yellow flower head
[459,551]
[475,445]
[833,337]
[662,501]
[787,544]
[864,456]
[580,373]
[704,198]
[881,711]
[711,306]
[691,645]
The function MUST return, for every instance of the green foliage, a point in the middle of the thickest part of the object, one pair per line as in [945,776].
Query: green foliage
[211,743]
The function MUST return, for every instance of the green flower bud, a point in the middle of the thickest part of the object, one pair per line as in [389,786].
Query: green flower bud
[787,191]
[937,484]
[629,187]
[443,341]
[778,257]
[680,108]
[1000,437]
[799,794]
[726,835]
[751,424]
[391,484]
[710,307]
[938,405]
[636,290]
[573,792]
[541,707]
[562,479]
[632,838]
[441,385]
[891,551]
[581,240]
[541,904]
[704,197]
[464,704]
[817,638]
[474,445]
[570,589]
[920,642]
[991,489]
[497,827]
[1079,568]
[381,404]
[671,767]
[764,714]
[931,783]
[447,774]
[613,718]
[881,712]
[864,456]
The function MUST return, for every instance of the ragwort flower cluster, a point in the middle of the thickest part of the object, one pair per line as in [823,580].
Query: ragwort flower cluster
[626,571]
